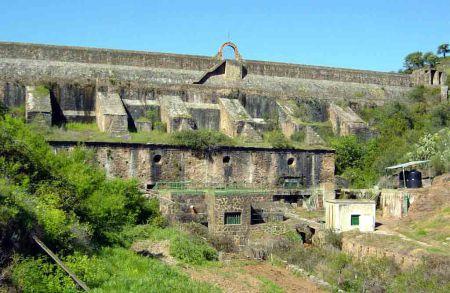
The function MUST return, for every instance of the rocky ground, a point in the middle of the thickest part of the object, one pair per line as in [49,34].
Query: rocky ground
[252,276]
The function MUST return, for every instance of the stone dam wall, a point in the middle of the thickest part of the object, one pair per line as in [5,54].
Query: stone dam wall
[243,98]
[193,63]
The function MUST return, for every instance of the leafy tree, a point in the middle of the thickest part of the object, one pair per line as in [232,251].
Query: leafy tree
[443,49]
[349,152]
[414,60]
[430,59]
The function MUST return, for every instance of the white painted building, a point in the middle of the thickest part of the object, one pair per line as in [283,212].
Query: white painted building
[350,214]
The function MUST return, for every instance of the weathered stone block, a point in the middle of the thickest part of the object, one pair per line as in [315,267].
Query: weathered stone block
[235,121]
[110,112]
[38,107]
[345,121]
[175,114]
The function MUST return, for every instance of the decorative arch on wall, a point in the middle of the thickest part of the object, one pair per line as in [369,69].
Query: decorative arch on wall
[237,56]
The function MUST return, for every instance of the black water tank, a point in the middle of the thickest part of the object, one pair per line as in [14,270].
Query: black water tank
[414,179]
[401,182]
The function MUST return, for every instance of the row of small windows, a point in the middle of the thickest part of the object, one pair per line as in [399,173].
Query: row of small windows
[225,160]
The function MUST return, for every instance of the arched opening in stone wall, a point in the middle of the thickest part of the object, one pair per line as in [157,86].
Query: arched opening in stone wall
[226,159]
[290,161]
[231,51]
[157,159]
[228,53]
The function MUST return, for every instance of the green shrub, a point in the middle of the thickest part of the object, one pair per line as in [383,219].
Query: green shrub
[153,115]
[434,147]
[39,275]
[191,251]
[65,195]
[202,140]
[277,139]
[298,136]
[159,126]
[349,152]
[111,270]
[333,239]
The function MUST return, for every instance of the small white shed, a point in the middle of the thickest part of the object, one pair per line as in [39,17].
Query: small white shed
[350,214]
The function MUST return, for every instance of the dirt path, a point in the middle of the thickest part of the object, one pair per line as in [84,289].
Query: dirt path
[241,276]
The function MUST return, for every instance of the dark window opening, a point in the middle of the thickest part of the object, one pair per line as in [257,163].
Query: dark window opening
[226,159]
[257,216]
[150,186]
[290,198]
[233,218]
[354,220]
[157,158]
[290,161]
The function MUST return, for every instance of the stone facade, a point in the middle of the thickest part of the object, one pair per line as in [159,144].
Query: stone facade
[255,167]
[222,204]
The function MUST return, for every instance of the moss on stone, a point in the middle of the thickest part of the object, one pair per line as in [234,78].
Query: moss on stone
[41,91]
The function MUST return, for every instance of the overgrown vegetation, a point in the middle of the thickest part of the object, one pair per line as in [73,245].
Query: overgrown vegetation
[110,270]
[402,132]
[418,59]
[81,214]
[202,140]
[277,139]
[368,275]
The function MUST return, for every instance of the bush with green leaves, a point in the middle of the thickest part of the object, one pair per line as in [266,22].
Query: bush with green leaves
[191,250]
[434,147]
[110,270]
[40,275]
[202,140]
[277,139]
[397,127]
[298,136]
[64,196]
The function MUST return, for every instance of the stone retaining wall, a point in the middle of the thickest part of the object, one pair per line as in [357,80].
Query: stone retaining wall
[190,62]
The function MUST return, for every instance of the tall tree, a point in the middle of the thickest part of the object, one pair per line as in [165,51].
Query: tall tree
[430,59]
[414,60]
[443,49]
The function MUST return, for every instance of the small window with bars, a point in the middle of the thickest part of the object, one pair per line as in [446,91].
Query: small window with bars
[354,220]
[233,218]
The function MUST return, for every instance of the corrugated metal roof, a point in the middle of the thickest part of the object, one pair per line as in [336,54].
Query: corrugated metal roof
[407,164]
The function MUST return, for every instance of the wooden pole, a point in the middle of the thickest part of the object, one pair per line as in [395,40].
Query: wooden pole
[60,263]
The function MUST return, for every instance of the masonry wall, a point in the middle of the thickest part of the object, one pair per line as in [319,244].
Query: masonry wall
[219,204]
[249,166]
[189,62]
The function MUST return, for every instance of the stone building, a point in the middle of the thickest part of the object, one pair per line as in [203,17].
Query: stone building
[350,214]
